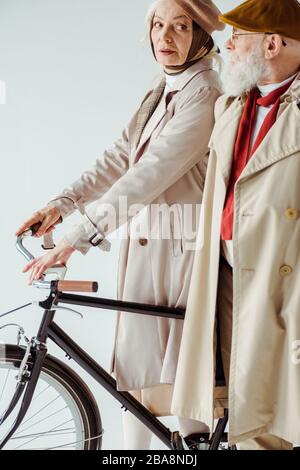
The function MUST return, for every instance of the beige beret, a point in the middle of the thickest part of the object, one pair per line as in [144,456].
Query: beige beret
[204,13]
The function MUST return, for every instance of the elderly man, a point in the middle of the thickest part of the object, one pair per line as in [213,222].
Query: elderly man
[246,275]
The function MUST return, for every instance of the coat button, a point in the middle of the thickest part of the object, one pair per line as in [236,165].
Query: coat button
[143,241]
[291,214]
[285,270]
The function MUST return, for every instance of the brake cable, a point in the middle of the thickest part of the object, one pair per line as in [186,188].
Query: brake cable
[15,310]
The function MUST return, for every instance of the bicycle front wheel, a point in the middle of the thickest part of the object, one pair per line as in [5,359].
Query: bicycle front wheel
[63,413]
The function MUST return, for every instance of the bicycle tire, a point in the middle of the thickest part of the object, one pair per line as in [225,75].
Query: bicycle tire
[72,384]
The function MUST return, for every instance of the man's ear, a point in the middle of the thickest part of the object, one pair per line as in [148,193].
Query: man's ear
[273,45]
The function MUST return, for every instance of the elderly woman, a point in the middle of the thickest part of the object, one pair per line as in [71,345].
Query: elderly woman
[158,167]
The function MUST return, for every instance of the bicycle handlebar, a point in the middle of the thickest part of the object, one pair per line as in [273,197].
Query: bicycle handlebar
[19,243]
[59,270]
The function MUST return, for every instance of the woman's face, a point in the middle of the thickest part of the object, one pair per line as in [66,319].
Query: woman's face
[171,34]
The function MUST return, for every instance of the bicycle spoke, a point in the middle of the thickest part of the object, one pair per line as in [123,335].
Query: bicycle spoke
[41,393]
[39,435]
[42,409]
[43,419]
[43,434]
[71,444]
[46,433]
[5,383]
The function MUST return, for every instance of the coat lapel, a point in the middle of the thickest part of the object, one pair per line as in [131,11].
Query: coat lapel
[223,138]
[282,141]
[166,102]
[151,126]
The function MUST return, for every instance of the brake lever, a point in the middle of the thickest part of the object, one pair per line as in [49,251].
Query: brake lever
[60,307]
[59,270]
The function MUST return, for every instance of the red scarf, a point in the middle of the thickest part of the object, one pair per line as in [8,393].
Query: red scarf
[242,152]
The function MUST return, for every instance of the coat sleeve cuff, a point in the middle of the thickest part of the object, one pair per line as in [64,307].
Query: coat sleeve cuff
[64,204]
[85,236]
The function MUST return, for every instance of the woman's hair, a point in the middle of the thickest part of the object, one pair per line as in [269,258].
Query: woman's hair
[150,13]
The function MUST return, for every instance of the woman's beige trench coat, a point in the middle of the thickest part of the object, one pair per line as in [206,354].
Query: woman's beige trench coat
[264,384]
[168,167]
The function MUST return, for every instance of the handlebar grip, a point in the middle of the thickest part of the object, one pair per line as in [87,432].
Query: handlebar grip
[77,286]
[35,227]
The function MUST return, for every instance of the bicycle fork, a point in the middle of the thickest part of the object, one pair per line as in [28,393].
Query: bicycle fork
[40,354]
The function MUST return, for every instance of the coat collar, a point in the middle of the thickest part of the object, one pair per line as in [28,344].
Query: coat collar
[281,141]
[292,93]
[283,138]
[183,80]
[185,77]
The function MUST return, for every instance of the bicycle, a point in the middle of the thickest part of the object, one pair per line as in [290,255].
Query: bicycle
[53,406]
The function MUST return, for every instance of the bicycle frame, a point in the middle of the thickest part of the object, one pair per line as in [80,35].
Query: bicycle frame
[50,330]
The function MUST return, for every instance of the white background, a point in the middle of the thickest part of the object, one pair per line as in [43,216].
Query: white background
[75,71]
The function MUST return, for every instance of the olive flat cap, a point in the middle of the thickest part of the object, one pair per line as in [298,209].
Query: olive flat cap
[266,16]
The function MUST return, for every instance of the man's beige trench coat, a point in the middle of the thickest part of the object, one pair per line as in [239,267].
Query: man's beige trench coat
[264,384]
[168,167]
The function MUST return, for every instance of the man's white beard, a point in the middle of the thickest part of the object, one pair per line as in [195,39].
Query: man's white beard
[242,75]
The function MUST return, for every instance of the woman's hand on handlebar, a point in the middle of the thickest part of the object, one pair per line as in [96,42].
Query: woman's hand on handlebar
[47,217]
[59,255]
